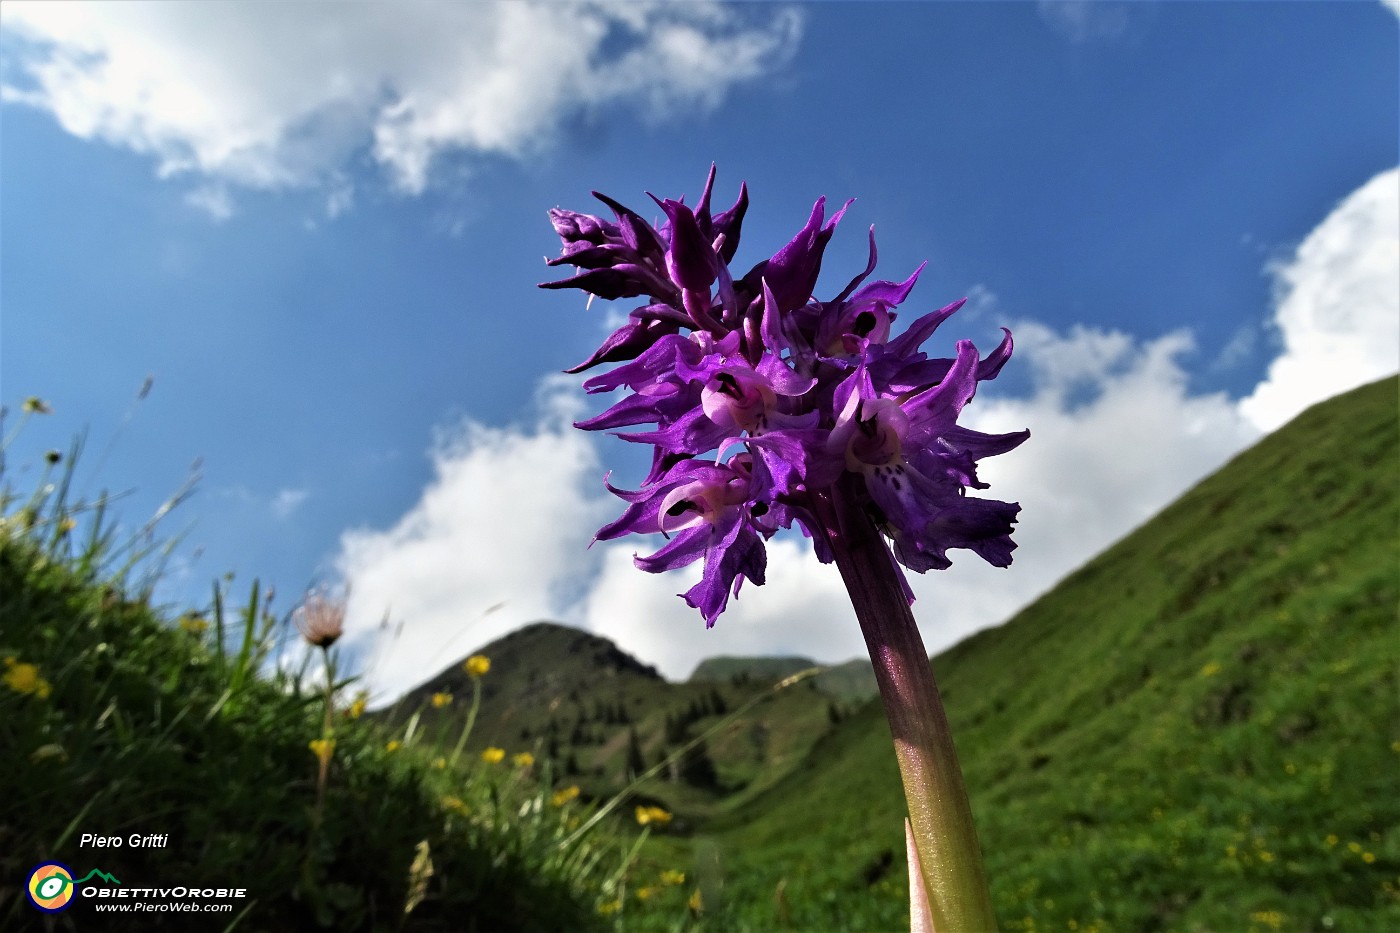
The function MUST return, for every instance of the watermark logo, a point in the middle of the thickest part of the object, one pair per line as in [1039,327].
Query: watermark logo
[51,885]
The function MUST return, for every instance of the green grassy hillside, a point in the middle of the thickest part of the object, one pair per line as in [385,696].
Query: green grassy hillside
[1198,730]
[727,667]
[851,682]
[117,721]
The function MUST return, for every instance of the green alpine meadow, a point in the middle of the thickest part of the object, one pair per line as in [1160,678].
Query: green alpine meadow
[1198,730]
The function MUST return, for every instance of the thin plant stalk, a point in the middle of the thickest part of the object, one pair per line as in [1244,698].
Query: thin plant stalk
[471,721]
[326,730]
[325,750]
[940,815]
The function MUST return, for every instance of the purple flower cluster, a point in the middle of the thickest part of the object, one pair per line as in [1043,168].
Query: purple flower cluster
[765,399]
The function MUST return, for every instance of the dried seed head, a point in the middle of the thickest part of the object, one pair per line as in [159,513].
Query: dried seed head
[321,619]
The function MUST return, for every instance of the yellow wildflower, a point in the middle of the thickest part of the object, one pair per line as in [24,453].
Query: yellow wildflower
[439,763]
[644,894]
[393,745]
[1368,857]
[564,795]
[454,804]
[441,699]
[194,623]
[655,815]
[1210,670]
[322,748]
[1332,839]
[523,760]
[671,876]
[608,908]
[24,678]
[493,755]
[357,708]
[695,904]
[36,406]
[477,665]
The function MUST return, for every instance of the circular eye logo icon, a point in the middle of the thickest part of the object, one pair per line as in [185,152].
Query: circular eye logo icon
[50,887]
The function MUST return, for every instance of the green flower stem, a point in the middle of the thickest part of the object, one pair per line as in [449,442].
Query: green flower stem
[939,812]
[309,886]
[327,730]
[471,721]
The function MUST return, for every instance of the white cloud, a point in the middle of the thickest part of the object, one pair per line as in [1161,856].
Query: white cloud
[280,504]
[1337,306]
[340,198]
[506,518]
[1393,6]
[802,610]
[288,501]
[1084,20]
[1115,436]
[1237,348]
[213,200]
[981,301]
[282,95]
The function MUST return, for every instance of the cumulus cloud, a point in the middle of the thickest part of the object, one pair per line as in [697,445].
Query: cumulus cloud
[282,95]
[1337,301]
[1115,436]
[506,518]
[798,612]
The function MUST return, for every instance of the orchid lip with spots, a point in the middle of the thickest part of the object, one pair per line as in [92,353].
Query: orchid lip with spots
[767,408]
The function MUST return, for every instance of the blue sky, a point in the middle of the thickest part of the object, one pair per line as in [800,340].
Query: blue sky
[319,227]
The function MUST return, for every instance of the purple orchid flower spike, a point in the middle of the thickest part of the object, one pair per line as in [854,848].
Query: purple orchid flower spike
[772,409]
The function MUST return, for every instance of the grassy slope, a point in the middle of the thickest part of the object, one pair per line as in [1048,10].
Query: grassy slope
[727,667]
[150,729]
[848,683]
[1196,731]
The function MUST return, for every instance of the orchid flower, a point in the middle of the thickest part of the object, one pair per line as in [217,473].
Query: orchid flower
[770,408]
